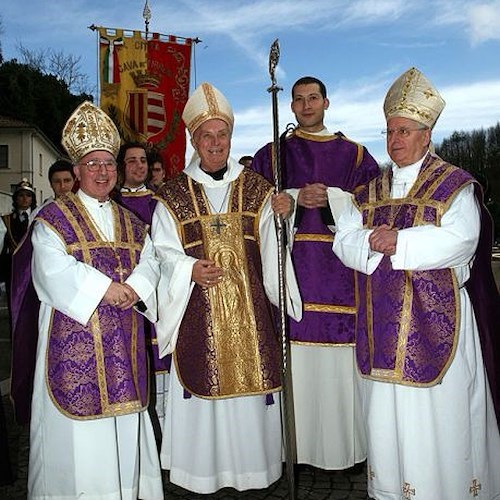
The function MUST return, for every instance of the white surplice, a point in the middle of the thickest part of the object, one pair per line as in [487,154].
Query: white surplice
[440,442]
[106,458]
[212,444]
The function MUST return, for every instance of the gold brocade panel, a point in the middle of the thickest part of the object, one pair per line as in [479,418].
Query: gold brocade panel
[234,330]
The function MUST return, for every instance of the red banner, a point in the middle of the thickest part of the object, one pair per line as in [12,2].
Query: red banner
[169,64]
[144,87]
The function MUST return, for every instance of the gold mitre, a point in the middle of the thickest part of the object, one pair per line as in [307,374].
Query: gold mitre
[413,96]
[89,129]
[206,103]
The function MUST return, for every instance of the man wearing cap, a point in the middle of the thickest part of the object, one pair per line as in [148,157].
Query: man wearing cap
[214,233]
[93,261]
[425,344]
[13,226]
[319,170]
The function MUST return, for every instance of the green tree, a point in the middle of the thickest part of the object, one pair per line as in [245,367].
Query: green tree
[1,33]
[43,100]
[478,152]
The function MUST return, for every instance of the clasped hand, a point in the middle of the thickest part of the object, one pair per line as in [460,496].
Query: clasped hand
[313,196]
[383,239]
[120,295]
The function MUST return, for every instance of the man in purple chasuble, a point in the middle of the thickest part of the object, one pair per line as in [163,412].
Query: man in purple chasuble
[138,198]
[93,261]
[427,331]
[214,234]
[319,170]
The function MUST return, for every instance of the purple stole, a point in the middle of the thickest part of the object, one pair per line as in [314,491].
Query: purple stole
[408,321]
[142,204]
[201,362]
[98,369]
[327,287]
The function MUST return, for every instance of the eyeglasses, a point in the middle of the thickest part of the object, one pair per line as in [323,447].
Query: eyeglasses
[95,165]
[401,131]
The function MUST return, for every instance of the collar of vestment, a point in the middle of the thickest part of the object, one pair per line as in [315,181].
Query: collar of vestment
[323,131]
[217,175]
[194,171]
[409,173]
[126,189]
[322,135]
[91,202]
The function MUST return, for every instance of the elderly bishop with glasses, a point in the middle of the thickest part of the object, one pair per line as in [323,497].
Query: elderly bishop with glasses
[427,342]
[93,267]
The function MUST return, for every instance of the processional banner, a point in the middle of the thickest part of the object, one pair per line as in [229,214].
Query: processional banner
[144,87]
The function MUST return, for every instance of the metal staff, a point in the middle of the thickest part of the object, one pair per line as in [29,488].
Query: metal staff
[287,416]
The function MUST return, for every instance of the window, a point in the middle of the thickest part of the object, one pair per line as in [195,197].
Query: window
[4,156]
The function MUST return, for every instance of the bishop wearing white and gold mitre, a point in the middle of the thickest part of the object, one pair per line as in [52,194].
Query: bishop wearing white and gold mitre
[420,237]
[93,262]
[214,233]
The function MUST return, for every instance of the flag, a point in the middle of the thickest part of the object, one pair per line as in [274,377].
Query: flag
[144,87]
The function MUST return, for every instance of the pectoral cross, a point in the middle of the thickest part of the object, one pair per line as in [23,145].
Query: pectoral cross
[217,224]
[120,271]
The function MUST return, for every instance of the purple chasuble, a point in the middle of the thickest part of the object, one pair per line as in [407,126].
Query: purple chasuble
[202,355]
[108,375]
[327,287]
[142,204]
[408,321]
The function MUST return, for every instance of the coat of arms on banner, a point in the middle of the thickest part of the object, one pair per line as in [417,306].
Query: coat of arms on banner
[145,112]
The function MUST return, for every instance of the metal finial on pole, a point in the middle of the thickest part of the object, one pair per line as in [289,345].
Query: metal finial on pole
[274,58]
[146,14]
[287,414]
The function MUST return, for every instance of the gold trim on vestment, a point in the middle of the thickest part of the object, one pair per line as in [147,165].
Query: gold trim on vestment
[322,344]
[136,194]
[404,327]
[327,308]
[395,376]
[323,238]
[234,330]
[298,132]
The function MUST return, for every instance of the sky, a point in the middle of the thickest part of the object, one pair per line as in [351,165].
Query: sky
[356,47]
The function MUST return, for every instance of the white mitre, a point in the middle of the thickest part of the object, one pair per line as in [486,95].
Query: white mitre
[206,103]
[413,96]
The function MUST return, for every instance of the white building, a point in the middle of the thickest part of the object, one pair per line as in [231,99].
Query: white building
[25,152]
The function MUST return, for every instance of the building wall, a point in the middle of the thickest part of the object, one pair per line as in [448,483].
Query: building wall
[29,156]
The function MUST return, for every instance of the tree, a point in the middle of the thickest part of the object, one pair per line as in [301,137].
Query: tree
[65,67]
[1,33]
[478,152]
[36,98]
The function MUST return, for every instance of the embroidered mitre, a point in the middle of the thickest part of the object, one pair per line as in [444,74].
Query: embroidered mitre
[413,96]
[89,129]
[206,103]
